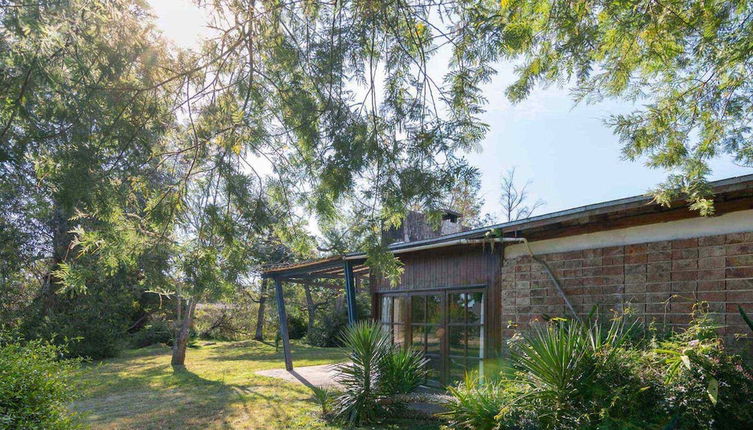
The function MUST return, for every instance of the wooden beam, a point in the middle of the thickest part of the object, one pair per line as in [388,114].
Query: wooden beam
[283,325]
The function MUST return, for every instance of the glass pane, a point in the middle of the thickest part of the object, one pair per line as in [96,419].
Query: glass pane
[475,308]
[433,309]
[457,369]
[434,367]
[456,308]
[418,337]
[456,340]
[418,313]
[386,309]
[400,309]
[475,342]
[398,334]
[432,343]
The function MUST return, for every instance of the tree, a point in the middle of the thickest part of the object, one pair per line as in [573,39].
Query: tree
[77,146]
[515,199]
[687,62]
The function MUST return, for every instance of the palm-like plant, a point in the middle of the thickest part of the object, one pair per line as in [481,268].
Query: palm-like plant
[402,370]
[558,362]
[368,345]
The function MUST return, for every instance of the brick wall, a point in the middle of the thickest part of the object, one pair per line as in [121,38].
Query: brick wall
[661,281]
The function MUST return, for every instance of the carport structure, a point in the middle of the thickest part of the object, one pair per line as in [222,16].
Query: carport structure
[349,268]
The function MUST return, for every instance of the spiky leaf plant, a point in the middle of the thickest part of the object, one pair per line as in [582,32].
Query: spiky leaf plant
[368,345]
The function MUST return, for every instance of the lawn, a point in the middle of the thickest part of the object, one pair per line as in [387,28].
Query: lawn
[218,389]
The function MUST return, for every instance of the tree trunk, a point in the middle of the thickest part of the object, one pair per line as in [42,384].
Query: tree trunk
[181,340]
[260,315]
[310,307]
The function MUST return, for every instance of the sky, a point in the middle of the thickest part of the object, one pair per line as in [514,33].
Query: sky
[567,152]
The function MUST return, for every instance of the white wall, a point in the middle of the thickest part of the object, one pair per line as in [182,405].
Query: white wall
[734,222]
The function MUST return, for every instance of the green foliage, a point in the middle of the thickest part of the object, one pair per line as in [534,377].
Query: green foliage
[570,375]
[93,325]
[372,376]
[684,62]
[155,332]
[745,316]
[403,370]
[368,345]
[296,327]
[35,386]
[476,403]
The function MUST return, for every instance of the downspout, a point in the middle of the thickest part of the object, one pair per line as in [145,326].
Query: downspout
[549,272]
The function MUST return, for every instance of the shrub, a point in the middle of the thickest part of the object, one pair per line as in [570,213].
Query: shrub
[368,345]
[296,327]
[157,331]
[34,386]
[476,403]
[568,375]
[403,370]
[371,379]
[327,330]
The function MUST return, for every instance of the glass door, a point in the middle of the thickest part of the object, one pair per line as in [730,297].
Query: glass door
[448,326]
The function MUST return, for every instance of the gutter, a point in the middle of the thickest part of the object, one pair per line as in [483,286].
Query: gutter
[455,242]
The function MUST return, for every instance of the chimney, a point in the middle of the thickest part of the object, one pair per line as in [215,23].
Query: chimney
[415,227]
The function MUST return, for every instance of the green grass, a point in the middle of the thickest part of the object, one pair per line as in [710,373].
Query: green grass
[218,389]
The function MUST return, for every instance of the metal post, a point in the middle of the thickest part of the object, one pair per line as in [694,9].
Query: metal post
[283,325]
[350,291]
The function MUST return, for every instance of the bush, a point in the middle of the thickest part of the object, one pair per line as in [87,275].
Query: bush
[372,377]
[568,375]
[297,327]
[34,386]
[157,331]
[403,370]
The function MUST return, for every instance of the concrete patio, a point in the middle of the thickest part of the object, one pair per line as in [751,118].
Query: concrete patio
[322,376]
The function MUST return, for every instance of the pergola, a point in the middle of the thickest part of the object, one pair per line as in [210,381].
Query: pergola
[347,267]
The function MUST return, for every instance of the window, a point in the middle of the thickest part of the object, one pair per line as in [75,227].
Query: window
[447,326]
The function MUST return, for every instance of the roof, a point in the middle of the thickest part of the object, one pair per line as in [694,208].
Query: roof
[641,204]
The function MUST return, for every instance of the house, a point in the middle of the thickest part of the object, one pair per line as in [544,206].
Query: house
[463,294]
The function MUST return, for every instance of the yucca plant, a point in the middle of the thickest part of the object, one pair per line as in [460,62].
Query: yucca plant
[402,370]
[368,344]
[476,404]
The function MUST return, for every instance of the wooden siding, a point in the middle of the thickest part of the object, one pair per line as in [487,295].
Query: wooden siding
[447,268]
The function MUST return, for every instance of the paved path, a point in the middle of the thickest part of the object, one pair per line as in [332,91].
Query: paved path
[319,376]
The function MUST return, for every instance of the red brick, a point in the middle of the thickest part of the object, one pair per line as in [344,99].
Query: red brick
[613,251]
[659,246]
[740,260]
[691,264]
[711,240]
[613,260]
[717,285]
[740,296]
[739,272]
[612,270]
[711,263]
[739,284]
[659,256]
[635,288]
[640,248]
[659,276]
[710,275]
[711,251]
[739,237]
[740,248]
[684,286]
[636,259]
[712,296]
[638,278]
[685,253]
[691,275]
[685,243]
